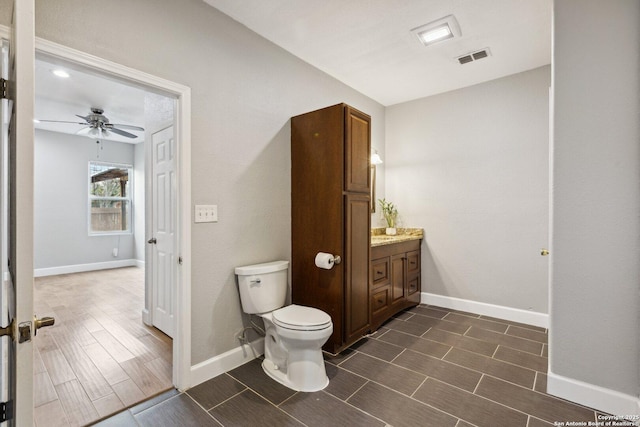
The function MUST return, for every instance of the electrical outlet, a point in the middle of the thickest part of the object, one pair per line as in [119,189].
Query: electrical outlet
[206,213]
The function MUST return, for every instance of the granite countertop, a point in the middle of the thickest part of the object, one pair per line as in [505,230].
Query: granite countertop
[378,238]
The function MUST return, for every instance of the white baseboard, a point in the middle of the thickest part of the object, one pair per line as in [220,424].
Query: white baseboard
[139,263]
[79,268]
[600,398]
[507,313]
[224,362]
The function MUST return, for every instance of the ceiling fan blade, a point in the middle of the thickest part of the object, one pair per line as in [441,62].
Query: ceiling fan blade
[122,132]
[130,127]
[62,121]
[86,119]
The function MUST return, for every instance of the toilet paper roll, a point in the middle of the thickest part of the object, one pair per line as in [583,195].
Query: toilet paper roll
[324,260]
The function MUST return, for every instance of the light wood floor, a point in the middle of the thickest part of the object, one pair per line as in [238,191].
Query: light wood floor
[99,357]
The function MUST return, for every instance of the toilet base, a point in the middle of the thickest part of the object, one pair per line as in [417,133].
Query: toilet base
[280,376]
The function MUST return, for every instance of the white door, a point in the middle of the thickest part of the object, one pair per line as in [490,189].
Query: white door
[163,220]
[17,295]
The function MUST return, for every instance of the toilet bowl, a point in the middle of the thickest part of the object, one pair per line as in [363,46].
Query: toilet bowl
[294,334]
[293,349]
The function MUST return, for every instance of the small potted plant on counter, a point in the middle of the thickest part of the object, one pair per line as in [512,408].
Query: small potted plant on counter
[390,213]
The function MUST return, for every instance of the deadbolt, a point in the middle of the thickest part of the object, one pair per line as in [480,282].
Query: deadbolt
[544,252]
[152,240]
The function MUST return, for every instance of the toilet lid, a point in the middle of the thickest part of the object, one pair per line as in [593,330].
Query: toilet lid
[301,318]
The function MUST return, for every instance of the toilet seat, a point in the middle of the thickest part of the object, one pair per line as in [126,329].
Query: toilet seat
[301,318]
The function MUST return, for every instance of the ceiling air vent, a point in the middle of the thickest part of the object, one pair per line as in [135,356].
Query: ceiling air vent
[465,59]
[474,56]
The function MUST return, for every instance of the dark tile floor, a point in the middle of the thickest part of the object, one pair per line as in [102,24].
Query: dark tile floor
[429,366]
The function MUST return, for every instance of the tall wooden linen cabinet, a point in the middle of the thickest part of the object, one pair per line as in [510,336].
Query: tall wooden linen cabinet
[330,212]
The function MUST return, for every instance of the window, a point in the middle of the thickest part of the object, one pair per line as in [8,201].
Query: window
[109,198]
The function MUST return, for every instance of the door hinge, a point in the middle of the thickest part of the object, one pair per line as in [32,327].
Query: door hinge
[6,411]
[8,331]
[4,88]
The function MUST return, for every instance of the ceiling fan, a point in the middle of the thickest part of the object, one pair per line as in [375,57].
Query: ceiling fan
[99,125]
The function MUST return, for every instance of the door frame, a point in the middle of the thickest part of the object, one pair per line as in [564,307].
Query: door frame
[182,339]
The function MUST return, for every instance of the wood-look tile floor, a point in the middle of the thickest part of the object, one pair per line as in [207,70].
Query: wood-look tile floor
[429,366]
[99,357]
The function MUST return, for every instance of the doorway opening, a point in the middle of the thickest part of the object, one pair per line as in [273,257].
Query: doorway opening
[107,350]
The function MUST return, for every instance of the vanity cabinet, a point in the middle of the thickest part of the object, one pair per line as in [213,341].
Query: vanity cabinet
[395,284]
[330,212]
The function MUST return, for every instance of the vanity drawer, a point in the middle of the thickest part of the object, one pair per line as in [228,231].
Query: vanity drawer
[413,262]
[380,271]
[413,285]
[379,300]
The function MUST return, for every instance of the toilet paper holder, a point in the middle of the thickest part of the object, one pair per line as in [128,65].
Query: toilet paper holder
[336,259]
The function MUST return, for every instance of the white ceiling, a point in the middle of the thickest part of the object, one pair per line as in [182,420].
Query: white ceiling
[62,99]
[367,44]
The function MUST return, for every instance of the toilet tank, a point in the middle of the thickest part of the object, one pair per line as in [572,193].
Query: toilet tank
[263,287]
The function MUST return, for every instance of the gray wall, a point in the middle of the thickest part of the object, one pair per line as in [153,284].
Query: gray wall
[470,167]
[244,91]
[595,254]
[61,201]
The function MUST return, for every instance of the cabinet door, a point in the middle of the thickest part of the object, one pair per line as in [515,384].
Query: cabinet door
[357,151]
[317,213]
[398,278]
[356,260]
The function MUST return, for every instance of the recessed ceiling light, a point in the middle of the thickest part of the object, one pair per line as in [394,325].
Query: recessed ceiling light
[60,73]
[437,31]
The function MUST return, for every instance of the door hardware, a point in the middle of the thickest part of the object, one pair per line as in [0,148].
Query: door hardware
[24,332]
[544,252]
[24,328]
[42,323]
[8,331]
[152,241]
[4,89]
[6,411]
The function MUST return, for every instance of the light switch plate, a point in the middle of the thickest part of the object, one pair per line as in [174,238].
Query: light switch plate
[206,213]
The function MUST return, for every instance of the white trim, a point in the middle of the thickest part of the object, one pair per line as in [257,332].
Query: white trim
[79,268]
[593,396]
[140,263]
[507,313]
[182,340]
[225,362]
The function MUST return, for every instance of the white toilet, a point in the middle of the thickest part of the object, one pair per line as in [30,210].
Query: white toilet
[295,334]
